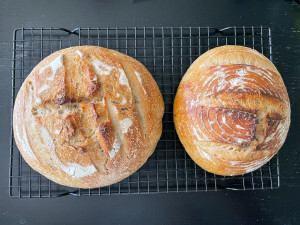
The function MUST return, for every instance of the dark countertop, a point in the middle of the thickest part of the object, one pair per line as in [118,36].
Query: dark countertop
[225,207]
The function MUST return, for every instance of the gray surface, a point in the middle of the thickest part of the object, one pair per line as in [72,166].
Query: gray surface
[226,207]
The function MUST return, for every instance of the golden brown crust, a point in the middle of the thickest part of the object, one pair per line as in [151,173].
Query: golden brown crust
[88,116]
[232,110]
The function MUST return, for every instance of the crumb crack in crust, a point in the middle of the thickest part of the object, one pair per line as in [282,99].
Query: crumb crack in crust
[232,110]
[88,116]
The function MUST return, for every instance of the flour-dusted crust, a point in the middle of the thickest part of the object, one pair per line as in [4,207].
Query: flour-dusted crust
[88,116]
[232,110]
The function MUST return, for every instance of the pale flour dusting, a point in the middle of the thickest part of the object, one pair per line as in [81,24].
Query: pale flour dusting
[80,53]
[269,138]
[241,82]
[140,80]
[232,50]
[72,169]
[125,124]
[204,154]
[24,142]
[216,75]
[115,148]
[38,100]
[224,119]
[43,88]
[211,122]
[102,68]
[193,103]
[48,140]
[77,171]
[222,83]
[196,134]
[123,79]
[115,109]
[238,81]
[233,163]
[55,65]
[241,72]
[124,101]
[280,133]
[239,127]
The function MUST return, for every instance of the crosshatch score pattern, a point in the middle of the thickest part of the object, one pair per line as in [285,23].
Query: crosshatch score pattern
[167,52]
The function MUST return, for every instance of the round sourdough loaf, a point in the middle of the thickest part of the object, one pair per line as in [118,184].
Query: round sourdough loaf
[231,110]
[88,116]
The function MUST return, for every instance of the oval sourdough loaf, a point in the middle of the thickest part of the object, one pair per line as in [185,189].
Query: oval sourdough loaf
[88,116]
[232,111]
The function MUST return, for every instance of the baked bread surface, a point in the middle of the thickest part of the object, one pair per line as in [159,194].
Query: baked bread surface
[231,110]
[88,116]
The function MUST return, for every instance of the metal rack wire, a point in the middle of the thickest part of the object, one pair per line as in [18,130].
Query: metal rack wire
[167,52]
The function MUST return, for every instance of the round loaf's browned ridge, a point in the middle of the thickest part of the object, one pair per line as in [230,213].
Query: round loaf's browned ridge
[88,116]
[213,107]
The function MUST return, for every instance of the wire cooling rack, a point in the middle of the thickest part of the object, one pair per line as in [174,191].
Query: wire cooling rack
[167,52]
